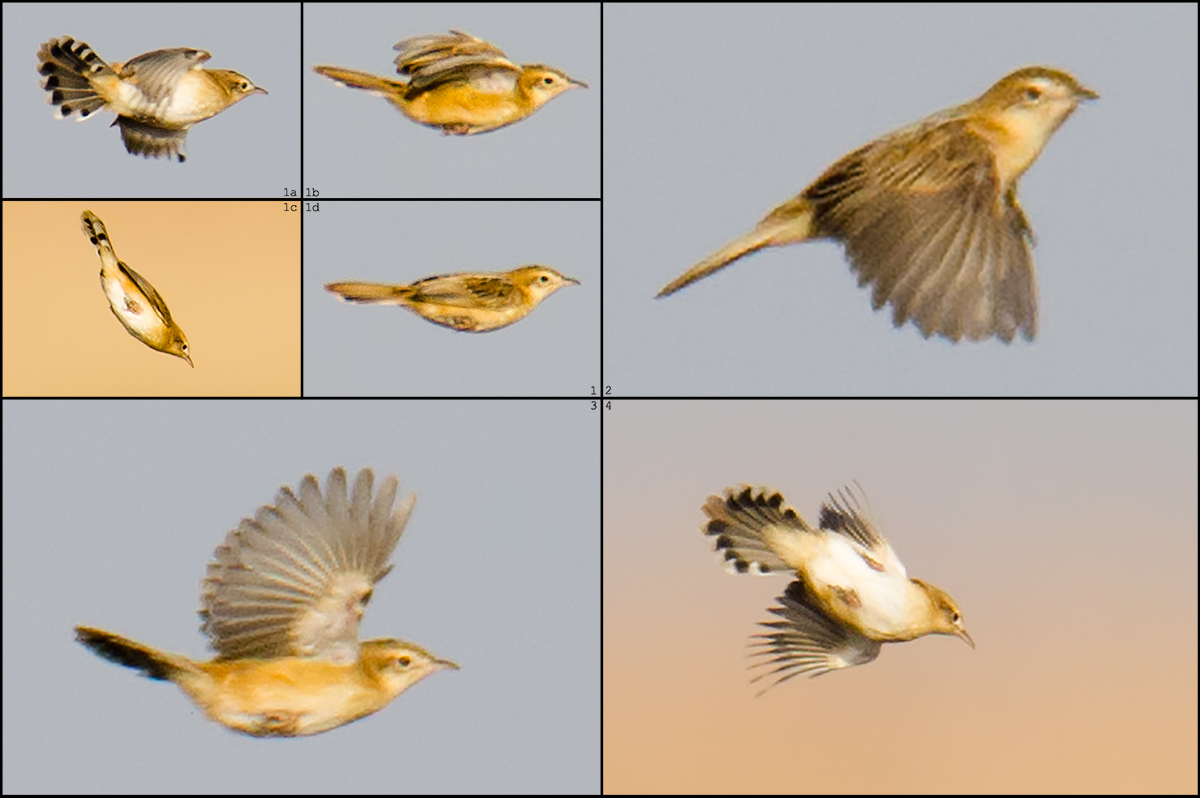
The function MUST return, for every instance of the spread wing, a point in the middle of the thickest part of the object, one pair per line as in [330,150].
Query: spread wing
[157,73]
[295,579]
[925,224]
[431,61]
[806,641]
[844,514]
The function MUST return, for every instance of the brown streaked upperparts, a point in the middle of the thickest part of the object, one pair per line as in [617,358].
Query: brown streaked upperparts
[466,301]
[929,215]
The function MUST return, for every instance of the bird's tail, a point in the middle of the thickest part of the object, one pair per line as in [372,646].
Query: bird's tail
[386,87]
[379,293]
[790,223]
[93,228]
[70,67]
[131,654]
[750,527]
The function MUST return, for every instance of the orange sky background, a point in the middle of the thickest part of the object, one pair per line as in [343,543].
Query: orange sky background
[229,272]
[1066,532]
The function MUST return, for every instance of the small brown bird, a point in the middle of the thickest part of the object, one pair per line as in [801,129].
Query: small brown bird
[281,606]
[851,593]
[157,96]
[460,84]
[929,214]
[471,302]
[141,310]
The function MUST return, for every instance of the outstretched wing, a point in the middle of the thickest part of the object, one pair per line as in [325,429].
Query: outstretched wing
[295,579]
[806,641]
[431,61]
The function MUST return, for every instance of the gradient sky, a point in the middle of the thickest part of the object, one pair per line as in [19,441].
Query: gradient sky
[1066,532]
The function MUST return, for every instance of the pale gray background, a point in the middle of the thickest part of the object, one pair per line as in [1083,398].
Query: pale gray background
[358,145]
[249,150]
[112,510]
[385,350]
[748,104]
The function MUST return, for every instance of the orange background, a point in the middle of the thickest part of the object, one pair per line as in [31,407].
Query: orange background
[1066,532]
[229,272]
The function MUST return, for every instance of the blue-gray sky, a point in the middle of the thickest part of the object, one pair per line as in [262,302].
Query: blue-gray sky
[384,350]
[357,144]
[112,510]
[249,150]
[749,104]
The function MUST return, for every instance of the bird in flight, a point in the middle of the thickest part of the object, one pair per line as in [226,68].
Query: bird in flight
[851,594]
[281,605]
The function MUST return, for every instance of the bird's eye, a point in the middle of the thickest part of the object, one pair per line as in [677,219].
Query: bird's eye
[1033,94]
[404,661]
[543,279]
[549,81]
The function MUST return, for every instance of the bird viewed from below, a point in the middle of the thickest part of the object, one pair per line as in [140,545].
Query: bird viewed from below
[468,301]
[929,215]
[851,593]
[141,310]
[157,96]
[460,84]
[281,605]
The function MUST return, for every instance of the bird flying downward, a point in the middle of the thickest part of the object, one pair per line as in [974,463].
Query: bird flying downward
[851,593]
[281,605]
[141,310]
[460,84]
